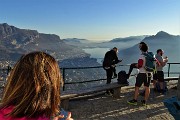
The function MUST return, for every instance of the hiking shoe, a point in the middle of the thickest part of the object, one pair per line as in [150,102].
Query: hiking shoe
[143,102]
[132,102]
[108,94]
[115,76]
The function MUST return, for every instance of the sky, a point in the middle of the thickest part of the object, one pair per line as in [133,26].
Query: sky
[95,20]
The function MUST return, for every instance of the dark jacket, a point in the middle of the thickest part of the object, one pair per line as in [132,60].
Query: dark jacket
[110,58]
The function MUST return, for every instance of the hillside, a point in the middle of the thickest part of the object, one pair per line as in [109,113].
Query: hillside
[15,41]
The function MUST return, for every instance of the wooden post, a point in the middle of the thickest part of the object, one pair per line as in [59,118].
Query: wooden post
[65,104]
[178,89]
[117,92]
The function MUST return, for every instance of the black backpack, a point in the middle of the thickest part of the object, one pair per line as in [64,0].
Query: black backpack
[122,78]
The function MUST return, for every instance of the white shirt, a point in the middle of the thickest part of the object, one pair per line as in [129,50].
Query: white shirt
[142,69]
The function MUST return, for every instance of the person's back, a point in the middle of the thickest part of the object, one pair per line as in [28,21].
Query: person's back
[110,58]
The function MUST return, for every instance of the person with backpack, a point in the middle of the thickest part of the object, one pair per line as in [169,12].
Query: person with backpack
[110,59]
[134,65]
[158,77]
[144,75]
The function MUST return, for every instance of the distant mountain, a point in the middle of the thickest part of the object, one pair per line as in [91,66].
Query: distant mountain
[162,40]
[80,43]
[15,41]
[120,43]
[129,39]
[75,40]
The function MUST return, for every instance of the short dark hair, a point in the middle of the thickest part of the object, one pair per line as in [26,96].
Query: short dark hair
[144,48]
[142,43]
[159,50]
[114,47]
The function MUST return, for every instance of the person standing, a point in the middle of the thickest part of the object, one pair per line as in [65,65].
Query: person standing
[143,77]
[159,75]
[110,59]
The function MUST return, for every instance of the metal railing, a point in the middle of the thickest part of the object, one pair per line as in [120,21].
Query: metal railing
[78,82]
[64,69]
[169,66]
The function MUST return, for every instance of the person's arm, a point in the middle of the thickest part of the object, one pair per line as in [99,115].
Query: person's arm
[116,60]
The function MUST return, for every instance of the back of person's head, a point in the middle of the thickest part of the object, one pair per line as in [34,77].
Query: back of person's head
[144,48]
[159,50]
[33,86]
[115,49]
[142,43]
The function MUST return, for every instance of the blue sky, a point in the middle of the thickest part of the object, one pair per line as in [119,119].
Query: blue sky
[93,19]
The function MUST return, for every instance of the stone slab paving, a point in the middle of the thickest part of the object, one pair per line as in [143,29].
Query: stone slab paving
[103,107]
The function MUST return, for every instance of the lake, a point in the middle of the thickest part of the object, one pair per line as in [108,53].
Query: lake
[97,53]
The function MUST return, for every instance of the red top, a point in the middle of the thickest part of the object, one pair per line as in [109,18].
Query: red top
[7,110]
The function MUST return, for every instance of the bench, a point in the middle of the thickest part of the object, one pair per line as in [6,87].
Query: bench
[171,78]
[69,94]
[167,79]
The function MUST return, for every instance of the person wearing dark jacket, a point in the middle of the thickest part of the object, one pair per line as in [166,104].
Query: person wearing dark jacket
[110,59]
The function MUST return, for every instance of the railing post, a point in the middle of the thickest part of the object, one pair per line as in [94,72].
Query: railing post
[63,78]
[8,69]
[168,69]
[178,88]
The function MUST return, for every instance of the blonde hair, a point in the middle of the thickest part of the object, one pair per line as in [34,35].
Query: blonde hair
[33,87]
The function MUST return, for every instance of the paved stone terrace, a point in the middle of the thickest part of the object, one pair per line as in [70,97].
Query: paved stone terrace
[102,107]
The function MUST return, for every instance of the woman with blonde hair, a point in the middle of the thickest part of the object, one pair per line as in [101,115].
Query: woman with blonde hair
[32,91]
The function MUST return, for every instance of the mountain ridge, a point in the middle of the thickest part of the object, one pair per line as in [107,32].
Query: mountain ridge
[15,41]
[162,40]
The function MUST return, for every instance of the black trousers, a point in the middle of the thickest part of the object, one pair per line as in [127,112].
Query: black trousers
[109,73]
[132,66]
[114,71]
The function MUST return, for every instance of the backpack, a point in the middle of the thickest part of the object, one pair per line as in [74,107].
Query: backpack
[158,88]
[122,78]
[150,64]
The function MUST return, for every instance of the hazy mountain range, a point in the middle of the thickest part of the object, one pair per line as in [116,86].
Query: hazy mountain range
[162,40]
[69,52]
[121,43]
[15,41]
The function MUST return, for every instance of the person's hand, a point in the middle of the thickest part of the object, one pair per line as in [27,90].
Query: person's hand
[62,116]
[120,60]
[166,59]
